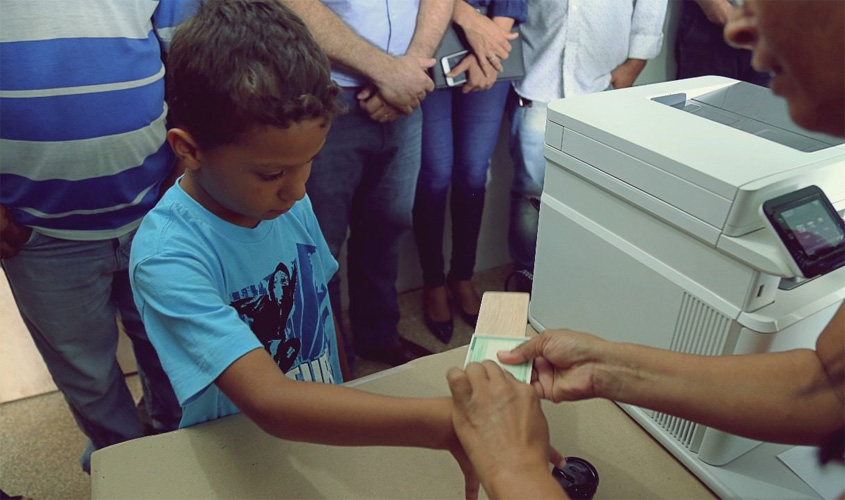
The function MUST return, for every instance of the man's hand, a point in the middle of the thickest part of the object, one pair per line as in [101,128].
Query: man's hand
[625,74]
[405,83]
[12,234]
[374,105]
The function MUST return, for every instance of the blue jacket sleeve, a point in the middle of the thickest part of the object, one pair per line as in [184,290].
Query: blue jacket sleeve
[515,9]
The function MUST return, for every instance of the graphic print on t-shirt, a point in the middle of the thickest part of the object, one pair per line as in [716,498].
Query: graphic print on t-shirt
[289,311]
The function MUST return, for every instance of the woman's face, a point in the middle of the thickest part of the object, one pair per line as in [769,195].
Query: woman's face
[802,44]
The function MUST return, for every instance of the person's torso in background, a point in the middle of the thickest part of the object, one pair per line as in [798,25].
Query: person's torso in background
[82,132]
[387,24]
[571,46]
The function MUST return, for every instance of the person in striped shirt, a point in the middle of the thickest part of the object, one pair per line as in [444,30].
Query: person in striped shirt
[83,157]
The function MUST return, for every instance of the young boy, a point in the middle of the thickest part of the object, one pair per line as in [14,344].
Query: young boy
[230,269]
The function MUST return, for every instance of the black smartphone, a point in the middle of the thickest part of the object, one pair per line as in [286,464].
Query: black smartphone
[449,62]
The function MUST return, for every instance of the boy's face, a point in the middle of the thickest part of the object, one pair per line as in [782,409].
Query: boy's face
[260,177]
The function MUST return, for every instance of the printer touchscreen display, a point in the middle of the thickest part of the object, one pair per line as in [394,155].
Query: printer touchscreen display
[813,227]
[809,228]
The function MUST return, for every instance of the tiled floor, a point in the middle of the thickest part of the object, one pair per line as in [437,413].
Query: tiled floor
[40,443]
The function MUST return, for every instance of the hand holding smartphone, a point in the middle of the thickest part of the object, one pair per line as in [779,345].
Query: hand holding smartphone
[450,61]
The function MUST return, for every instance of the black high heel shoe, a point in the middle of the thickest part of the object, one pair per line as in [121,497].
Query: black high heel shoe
[470,318]
[441,329]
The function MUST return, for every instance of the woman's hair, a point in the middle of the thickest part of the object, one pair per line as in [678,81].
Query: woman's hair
[241,64]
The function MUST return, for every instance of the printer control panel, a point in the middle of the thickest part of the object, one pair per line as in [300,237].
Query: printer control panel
[809,228]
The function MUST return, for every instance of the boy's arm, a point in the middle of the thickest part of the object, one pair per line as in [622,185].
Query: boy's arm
[332,414]
[338,415]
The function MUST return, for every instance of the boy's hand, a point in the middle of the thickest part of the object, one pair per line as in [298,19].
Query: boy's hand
[12,234]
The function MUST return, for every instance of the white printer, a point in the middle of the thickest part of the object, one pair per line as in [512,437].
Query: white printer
[652,230]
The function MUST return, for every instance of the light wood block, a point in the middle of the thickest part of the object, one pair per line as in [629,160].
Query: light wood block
[504,314]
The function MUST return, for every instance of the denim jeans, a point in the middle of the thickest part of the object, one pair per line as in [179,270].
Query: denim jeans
[363,181]
[459,135]
[69,294]
[528,129]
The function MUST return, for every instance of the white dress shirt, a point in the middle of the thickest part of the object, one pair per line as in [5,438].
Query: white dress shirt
[571,46]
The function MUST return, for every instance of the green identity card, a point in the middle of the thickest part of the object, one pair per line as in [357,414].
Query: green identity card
[484,347]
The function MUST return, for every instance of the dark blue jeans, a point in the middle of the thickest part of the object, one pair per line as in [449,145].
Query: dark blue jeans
[528,125]
[363,181]
[459,135]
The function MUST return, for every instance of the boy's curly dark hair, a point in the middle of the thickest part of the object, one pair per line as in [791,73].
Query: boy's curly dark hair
[240,64]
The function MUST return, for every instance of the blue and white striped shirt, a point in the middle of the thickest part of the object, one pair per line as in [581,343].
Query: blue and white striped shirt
[82,112]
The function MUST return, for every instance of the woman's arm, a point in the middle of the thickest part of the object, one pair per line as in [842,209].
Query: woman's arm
[788,397]
[488,38]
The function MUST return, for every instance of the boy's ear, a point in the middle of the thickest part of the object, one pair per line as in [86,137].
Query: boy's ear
[184,147]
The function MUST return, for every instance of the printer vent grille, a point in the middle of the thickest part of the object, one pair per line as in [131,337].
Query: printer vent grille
[700,329]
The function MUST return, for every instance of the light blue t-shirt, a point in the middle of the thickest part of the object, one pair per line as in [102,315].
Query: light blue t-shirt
[209,292]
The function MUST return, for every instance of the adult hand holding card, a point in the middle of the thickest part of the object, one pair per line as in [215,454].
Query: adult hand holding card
[501,326]
[484,347]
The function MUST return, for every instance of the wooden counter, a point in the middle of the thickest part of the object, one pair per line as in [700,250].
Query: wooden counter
[233,458]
